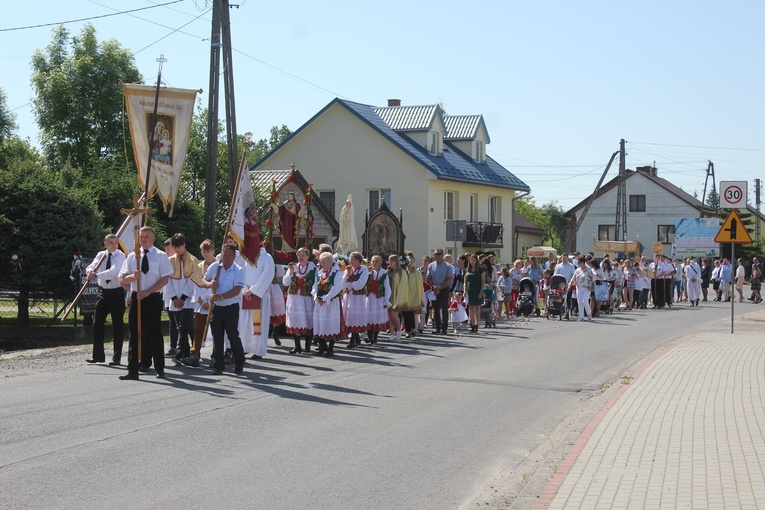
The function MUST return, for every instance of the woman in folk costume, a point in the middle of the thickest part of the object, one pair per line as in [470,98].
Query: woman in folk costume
[397,279]
[355,301]
[377,300]
[327,311]
[414,296]
[256,301]
[299,281]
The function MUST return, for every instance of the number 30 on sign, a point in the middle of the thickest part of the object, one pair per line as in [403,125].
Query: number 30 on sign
[733,194]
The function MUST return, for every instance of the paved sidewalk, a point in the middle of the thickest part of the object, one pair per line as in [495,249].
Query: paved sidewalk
[688,431]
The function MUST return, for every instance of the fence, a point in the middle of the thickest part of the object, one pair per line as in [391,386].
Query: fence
[44,310]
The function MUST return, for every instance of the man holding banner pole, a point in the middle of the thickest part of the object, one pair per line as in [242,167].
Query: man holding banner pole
[111,299]
[151,277]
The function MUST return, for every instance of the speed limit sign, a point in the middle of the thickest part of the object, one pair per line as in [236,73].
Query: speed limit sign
[733,194]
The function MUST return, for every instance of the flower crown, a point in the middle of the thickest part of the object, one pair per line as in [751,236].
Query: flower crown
[403,260]
[341,259]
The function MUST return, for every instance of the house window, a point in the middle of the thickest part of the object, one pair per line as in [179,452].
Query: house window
[495,210]
[606,232]
[450,205]
[480,152]
[376,196]
[666,234]
[328,198]
[473,207]
[637,203]
[435,143]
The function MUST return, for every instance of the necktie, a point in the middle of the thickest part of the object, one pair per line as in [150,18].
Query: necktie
[145,263]
[108,265]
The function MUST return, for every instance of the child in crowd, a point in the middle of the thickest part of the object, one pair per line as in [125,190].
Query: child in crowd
[458,311]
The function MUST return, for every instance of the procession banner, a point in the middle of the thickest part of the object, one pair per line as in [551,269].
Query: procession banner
[695,237]
[169,140]
[244,226]
[129,234]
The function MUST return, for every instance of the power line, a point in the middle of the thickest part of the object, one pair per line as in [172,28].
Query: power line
[171,33]
[699,146]
[319,87]
[87,19]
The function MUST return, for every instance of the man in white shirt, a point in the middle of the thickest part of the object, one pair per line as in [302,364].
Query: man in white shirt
[152,274]
[180,289]
[111,299]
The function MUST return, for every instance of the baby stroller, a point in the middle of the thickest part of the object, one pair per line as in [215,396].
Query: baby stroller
[556,298]
[602,295]
[487,308]
[527,299]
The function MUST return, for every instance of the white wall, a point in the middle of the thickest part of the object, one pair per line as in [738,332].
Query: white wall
[662,208]
[437,226]
[340,152]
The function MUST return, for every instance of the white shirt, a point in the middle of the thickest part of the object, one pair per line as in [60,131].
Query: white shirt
[111,274]
[159,267]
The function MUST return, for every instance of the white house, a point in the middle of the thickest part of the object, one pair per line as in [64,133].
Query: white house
[430,165]
[653,204]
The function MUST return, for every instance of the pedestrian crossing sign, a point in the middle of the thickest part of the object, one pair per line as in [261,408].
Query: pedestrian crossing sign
[733,230]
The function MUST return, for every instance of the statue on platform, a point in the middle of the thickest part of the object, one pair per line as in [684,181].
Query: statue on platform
[347,242]
[288,215]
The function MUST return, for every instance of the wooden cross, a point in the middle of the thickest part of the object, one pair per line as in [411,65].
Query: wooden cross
[137,209]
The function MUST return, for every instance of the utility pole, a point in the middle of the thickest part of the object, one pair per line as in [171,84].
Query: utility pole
[757,222]
[578,225]
[621,197]
[710,173]
[211,166]
[228,85]
[220,38]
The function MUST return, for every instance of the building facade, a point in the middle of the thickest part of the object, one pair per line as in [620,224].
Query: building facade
[431,166]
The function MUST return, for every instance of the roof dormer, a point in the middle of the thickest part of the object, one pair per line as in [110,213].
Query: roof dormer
[435,142]
[422,124]
[468,133]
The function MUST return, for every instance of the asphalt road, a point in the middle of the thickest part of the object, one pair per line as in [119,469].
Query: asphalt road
[421,424]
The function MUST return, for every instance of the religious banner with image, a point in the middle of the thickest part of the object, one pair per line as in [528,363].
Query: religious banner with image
[167,140]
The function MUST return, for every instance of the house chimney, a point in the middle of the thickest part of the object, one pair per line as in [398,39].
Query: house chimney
[394,102]
[650,170]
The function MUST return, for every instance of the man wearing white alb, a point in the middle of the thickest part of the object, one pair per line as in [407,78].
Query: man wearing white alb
[258,277]
[693,281]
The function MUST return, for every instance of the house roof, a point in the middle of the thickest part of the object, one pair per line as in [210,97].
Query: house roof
[451,165]
[675,190]
[464,127]
[263,179]
[524,225]
[409,118]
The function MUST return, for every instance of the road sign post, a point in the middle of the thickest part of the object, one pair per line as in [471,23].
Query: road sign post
[734,232]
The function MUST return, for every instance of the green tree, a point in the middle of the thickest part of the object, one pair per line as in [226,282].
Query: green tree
[111,185]
[713,200]
[78,99]
[44,222]
[550,218]
[7,119]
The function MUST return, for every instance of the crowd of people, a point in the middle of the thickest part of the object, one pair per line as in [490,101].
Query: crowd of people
[322,297]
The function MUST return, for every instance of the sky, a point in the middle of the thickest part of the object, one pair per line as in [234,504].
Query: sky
[558,83]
